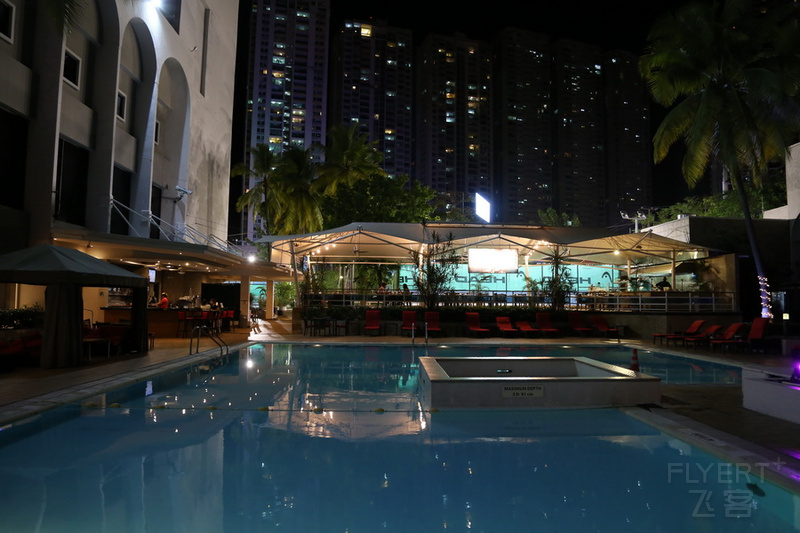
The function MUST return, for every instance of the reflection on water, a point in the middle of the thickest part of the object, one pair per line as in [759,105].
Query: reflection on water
[313,438]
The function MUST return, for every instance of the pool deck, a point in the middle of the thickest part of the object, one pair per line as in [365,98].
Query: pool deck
[714,411]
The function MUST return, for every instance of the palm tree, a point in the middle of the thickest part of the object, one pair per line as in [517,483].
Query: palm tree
[349,158]
[297,206]
[260,198]
[730,75]
[65,13]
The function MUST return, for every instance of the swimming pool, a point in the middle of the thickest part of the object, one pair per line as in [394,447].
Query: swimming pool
[317,438]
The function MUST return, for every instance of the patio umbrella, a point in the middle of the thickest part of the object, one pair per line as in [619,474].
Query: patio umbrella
[64,271]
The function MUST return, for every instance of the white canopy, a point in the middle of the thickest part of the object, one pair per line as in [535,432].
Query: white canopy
[372,241]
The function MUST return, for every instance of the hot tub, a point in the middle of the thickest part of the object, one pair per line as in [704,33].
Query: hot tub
[548,382]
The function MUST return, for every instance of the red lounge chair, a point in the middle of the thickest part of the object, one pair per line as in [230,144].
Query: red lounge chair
[526,328]
[474,324]
[409,322]
[727,338]
[373,322]
[545,324]
[577,324]
[757,330]
[505,326]
[601,326]
[693,329]
[704,337]
[432,322]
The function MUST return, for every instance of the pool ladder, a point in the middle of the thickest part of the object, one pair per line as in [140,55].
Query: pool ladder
[414,331]
[198,332]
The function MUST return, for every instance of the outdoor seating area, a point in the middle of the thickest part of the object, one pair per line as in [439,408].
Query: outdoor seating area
[465,323]
[735,336]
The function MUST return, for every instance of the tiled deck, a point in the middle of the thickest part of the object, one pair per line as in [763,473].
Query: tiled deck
[712,410]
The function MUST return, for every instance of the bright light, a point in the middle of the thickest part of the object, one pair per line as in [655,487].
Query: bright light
[491,260]
[251,258]
[156,3]
[483,208]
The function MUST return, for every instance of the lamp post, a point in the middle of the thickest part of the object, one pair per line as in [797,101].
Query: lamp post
[636,218]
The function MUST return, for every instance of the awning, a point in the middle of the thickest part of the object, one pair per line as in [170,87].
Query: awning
[367,241]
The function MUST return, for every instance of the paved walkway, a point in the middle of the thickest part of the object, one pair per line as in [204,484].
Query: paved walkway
[713,410]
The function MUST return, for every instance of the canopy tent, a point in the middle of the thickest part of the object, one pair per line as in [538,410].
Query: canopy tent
[395,242]
[64,271]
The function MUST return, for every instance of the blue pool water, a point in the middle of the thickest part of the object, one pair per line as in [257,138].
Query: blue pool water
[309,438]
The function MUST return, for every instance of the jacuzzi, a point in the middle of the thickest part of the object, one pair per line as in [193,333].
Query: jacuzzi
[548,382]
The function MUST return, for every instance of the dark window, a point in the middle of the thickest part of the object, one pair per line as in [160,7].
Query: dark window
[122,102]
[157,132]
[155,208]
[121,189]
[73,169]
[171,9]
[72,68]
[7,20]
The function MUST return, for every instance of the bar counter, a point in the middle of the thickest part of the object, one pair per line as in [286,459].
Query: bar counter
[163,323]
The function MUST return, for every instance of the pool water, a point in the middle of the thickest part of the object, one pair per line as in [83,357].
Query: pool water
[311,438]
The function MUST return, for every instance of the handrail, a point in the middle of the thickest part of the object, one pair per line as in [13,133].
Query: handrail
[198,332]
[645,302]
[171,233]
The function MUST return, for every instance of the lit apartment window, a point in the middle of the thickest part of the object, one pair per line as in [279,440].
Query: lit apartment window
[122,104]
[7,21]
[72,69]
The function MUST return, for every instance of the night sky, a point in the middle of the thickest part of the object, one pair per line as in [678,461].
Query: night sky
[611,24]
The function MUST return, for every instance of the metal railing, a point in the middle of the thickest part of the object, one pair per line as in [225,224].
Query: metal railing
[643,302]
[172,233]
[198,333]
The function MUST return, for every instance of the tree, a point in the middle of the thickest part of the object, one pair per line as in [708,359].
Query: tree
[551,217]
[730,75]
[260,198]
[435,269]
[349,158]
[380,198]
[297,206]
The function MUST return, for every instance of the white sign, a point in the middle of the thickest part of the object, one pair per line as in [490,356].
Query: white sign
[492,260]
[523,391]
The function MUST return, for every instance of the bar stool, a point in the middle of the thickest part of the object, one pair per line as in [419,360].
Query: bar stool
[185,324]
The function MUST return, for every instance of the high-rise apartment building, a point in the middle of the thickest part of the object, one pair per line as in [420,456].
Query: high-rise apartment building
[628,145]
[289,73]
[372,86]
[454,143]
[287,79]
[524,117]
[579,132]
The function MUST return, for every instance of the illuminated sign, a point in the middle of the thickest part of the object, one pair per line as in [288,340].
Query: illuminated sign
[483,208]
[490,260]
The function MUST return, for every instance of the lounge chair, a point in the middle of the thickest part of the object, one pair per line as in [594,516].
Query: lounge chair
[372,322]
[704,337]
[577,324]
[728,338]
[506,328]
[693,329]
[409,322]
[432,322]
[545,324]
[757,330]
[474,325]
[526,328]
[601,326]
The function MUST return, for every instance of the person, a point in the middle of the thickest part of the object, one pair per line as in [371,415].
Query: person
[164,303]
[382,289]
[213,305]
[406,294]
[664,285]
